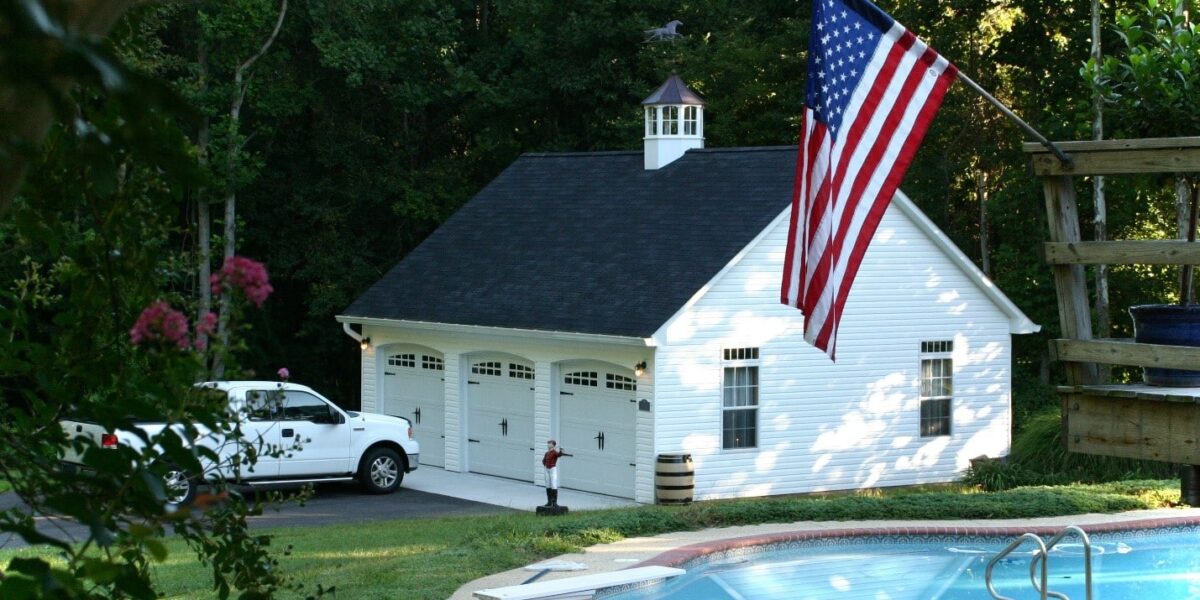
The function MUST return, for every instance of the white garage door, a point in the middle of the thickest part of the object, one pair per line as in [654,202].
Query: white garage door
[597,421]
[500,417]
[413,388]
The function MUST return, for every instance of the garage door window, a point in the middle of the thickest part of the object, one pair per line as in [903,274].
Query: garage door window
[588,378]
[488,368]
[403,360]
[432,363]
[739,403]
[613,381]
[520,371]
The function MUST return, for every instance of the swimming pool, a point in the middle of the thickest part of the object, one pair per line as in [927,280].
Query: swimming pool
[1161,563]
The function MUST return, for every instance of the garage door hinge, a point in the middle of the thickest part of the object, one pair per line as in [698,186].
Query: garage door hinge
[388,373]
[473,382]
[566,394]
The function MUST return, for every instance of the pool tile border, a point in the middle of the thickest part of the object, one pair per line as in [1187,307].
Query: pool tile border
[685,554]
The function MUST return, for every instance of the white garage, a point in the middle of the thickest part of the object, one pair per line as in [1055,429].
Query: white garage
[414,388]
[597,424]
[499,394]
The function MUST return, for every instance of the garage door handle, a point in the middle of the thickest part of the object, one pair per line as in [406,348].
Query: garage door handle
[566,394]
[388,373]
[417,415]
[599,440]
[473,382]
[288,433]
[470,440]
[633,464]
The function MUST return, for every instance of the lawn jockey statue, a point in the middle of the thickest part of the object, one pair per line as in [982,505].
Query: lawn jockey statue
[550,462]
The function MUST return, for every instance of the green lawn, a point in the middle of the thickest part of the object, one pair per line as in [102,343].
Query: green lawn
[430,558]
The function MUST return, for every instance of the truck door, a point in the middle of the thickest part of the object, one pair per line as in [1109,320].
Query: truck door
[315,436]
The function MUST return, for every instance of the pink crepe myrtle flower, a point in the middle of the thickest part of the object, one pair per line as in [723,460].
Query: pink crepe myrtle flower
[204,328]
[284,373]
[160,322]
[246,274]
[207,324]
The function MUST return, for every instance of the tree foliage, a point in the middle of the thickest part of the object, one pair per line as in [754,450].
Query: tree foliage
[369,123]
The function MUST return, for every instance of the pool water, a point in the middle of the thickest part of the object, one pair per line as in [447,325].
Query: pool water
[1141,565]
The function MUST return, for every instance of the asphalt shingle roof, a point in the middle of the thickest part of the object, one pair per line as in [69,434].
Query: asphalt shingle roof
[587,242]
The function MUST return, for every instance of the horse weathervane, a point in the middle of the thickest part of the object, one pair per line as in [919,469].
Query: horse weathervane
[665,33]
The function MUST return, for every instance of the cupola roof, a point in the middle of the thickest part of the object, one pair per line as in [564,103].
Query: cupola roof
[673,91]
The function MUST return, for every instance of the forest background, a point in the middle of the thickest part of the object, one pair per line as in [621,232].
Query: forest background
[346,131]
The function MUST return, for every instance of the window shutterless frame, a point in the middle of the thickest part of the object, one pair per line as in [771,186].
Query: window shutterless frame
[739,398]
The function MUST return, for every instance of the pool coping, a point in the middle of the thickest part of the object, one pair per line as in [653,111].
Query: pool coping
[685,554]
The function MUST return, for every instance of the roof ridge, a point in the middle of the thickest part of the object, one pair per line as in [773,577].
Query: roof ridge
[746,149]
[632,152]
[580,153]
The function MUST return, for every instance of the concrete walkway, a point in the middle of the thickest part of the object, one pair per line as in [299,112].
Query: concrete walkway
[521,495]
[626,553]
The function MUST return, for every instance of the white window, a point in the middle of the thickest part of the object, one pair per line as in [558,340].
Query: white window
[432,363]
[739,403]
[651,120]
[937,387]
[670,120]
[689,120]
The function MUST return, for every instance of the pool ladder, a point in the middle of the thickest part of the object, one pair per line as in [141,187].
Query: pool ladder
[1043,549]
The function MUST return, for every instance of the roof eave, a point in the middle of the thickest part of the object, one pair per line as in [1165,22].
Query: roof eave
[459,328]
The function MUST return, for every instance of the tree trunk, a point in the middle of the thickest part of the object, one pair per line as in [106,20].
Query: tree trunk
[1103,310]
[981,195]
[203,217]
[27,110]
[241,82]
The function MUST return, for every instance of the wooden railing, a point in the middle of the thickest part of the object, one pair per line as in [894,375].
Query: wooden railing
[1132,420]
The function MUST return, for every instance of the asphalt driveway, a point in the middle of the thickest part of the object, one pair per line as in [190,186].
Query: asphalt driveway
[331,503]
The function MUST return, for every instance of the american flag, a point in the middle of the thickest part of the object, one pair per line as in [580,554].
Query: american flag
[873,89]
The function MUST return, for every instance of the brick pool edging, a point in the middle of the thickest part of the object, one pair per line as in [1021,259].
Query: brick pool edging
[684,554]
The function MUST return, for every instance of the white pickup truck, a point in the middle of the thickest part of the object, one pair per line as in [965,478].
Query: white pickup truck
[297,435]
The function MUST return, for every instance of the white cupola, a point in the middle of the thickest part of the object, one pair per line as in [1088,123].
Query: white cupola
[674,123]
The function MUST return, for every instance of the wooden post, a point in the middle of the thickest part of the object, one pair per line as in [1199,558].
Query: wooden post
[1073,312]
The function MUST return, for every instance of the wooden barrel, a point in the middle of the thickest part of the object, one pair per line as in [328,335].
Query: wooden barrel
[674,479]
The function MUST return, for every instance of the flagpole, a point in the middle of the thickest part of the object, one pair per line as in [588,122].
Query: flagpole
[1066,160]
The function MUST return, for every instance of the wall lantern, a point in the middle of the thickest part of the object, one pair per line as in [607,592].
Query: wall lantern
[365,343]
[639,369]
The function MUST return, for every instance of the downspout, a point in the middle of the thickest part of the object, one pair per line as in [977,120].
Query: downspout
[352,333]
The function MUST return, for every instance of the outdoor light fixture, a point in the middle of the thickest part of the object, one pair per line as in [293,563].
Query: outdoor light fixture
[639,369]
[365,343]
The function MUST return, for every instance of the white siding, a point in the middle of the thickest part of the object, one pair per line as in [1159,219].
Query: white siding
[370,378]
[854,424]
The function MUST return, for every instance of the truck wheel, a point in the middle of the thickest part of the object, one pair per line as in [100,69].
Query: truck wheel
[381,471]
[180,487]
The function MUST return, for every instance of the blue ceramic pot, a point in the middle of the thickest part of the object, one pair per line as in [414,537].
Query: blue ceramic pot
[1169,324]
